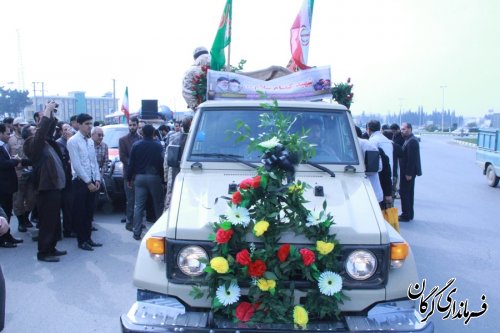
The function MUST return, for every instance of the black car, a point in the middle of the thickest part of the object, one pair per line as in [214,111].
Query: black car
[113,189]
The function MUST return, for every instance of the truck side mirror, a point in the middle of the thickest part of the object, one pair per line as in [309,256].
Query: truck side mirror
[173,156]
[371,161]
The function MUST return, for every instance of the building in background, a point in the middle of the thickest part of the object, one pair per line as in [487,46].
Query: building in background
[75,103]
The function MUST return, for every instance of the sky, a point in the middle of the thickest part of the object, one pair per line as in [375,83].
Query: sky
[398,53]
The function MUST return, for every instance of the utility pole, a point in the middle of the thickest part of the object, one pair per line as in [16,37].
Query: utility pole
[34,96]
[114,94]
[442,110]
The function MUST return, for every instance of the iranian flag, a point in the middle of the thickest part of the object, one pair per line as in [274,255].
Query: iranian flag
[299,36]
[222,38]
[125,108]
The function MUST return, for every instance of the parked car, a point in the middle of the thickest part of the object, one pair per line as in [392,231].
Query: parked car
[488,155]
[417,135]
[113,175]
[461,132]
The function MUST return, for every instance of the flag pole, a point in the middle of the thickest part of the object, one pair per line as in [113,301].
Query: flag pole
[229,58]
[228,68]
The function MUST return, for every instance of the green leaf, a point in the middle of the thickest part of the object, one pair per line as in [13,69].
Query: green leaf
[226,225]
[196,293]
[270,276]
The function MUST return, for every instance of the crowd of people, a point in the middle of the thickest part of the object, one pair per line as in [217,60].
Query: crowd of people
[398,166]
[46,165]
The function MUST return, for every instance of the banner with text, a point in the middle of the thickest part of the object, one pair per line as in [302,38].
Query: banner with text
[310,84]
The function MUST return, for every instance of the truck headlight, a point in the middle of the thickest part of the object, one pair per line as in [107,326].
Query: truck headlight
[188,260]
[361,264]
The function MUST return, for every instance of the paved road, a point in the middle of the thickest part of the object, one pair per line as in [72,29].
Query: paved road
[85,292]
[454,234]
[456,230]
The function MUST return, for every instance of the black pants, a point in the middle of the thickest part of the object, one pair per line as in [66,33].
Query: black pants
[6,203]
[83,210]
[67,209]
[49,217]
[406,191]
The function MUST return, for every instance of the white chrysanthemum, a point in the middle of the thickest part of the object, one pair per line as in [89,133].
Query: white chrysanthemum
[238,215]
[228,296]
[314,218]
[271,143]
[329,283]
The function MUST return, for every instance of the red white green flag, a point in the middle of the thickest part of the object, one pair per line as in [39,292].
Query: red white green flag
[222,38]
[125,108]
[299,36]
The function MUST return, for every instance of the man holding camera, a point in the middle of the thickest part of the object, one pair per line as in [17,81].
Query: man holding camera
[49,179]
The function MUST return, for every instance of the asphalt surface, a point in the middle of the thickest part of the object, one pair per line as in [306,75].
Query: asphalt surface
[84,292]
[454,235]
[456,230]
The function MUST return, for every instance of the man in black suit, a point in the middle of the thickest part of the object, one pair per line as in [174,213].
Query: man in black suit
[410,167]
[49,180]
[8,184]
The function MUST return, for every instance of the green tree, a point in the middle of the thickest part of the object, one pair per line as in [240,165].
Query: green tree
[13,101]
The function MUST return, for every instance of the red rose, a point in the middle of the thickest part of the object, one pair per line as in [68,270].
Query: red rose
[283,252]
[243,258]
[246,184]
[308,256]
[244,311]
[256,181]
[237,197]
[223,236]
[257,268]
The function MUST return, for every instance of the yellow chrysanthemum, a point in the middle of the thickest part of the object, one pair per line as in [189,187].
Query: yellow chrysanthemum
[260,228]
[324,248]
[271,284]
[300,316]
[266,285]
[220,265]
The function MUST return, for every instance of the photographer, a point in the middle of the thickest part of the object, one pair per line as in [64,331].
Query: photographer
[49,180]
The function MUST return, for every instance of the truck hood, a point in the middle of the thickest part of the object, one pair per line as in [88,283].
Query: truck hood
[350,199]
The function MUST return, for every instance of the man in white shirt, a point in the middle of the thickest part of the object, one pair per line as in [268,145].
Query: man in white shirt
[380,141]
[86,181]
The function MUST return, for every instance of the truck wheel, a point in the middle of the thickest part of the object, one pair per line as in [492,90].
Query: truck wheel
[491,176]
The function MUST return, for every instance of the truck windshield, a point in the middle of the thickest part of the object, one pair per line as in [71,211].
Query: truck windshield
[329,131]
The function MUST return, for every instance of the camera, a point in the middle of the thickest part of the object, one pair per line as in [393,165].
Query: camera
[55,107]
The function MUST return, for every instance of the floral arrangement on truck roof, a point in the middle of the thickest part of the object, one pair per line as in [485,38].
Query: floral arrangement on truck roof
[253,282]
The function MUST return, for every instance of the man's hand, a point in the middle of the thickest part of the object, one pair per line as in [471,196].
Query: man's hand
[50,106]
[129,183]
[97,185]
[408,178]
[92,187]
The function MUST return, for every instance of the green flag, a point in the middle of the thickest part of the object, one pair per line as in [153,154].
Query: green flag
[222,39]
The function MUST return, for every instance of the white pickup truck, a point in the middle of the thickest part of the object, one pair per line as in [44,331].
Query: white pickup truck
[377,264]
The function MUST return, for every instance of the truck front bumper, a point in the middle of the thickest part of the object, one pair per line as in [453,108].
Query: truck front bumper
[167,315]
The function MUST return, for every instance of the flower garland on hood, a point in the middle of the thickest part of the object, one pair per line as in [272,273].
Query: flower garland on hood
[250,281]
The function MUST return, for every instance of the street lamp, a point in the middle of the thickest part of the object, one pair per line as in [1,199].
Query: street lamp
[442,110]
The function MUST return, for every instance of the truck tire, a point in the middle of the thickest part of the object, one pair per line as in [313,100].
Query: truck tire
[491,176]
